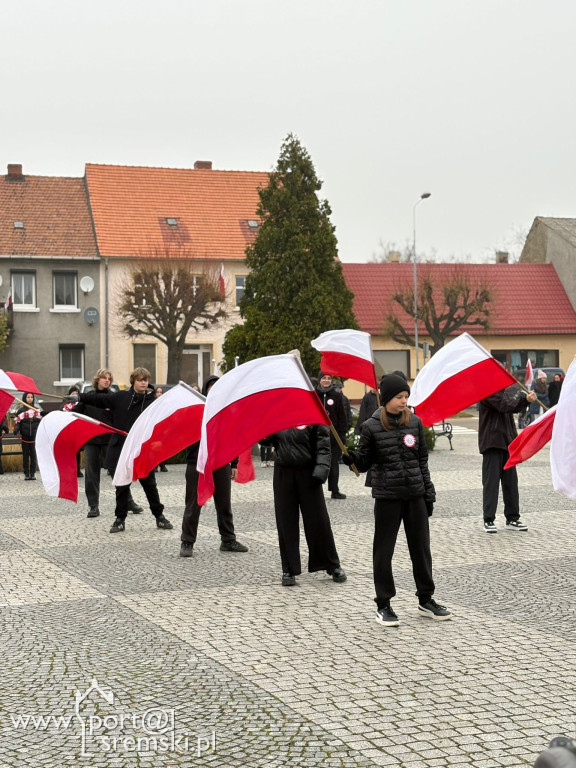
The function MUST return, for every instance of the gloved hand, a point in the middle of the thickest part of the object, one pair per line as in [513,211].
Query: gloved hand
[429,507]
[73,398]
[349,458]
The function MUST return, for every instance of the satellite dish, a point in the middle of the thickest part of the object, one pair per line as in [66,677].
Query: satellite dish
[87,284]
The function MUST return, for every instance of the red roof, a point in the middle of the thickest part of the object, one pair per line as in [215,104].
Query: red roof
[54,215]
[130,208]
[528,298]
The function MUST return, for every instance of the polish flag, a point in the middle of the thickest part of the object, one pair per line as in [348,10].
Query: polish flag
[18,381]
[59,438]
[532,438]
[222,282]
[529,378]
[8,303]
[563,446]
[6,401]
[347,353]
[249,403]
[168,426]
[458,375]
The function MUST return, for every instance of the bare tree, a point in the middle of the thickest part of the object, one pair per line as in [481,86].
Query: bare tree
[444,307]
[168,295]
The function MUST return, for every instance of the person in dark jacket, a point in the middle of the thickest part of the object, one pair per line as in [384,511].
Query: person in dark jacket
[333,403]
[540,386]
[496,430]
[554,389]
[74,390]
[96,448]
[368,405]
[27,423]
[393,446]
[222,477]
[301,467]
[4,430]
[125,407]
[347,407]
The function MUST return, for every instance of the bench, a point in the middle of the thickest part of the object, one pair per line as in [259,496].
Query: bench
[11,440]
[443,430]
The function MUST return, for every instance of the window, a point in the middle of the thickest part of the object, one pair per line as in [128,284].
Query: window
[24,290]
[390,360]
[515,359]
[71,362]
[65,290]
[144,356]
[240,285]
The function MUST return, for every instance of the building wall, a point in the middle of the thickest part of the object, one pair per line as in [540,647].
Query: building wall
[562,255]
[34,344]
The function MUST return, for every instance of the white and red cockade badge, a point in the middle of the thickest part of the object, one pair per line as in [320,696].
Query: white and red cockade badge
[330,402]
[302,426]
[409,441]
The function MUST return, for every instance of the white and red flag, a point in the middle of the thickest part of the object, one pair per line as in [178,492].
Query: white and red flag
[245,470]
[18,382]
[563,446]
[6,401]
[59,438]
[458,375]
[532,438]
[222,282]
[529,377]
[8,304]
[249,403]
[347,353]
[166,427]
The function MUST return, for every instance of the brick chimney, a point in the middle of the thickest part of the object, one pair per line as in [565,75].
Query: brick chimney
[14,172]
[502,257]
[203,165]
[393,256]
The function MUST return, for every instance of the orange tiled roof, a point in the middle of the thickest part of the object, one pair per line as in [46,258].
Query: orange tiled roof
[55,215]
[528,298]
[130,206]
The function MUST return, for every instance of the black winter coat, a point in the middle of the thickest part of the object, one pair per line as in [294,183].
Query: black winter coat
[333,403]
[496,428]
[398,459]
[100,414]
[367,407]
[27,426]
[307,448]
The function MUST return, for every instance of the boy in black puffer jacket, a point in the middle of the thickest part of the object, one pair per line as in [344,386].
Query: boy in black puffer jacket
[301,467]
[392,445]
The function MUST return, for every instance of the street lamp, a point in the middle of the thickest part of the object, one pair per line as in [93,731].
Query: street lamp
[423,196]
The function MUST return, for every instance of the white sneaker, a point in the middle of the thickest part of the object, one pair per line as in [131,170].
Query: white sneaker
[262,463]
[516,525]
[490,526]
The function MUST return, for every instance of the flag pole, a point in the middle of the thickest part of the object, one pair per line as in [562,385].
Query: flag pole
[546,407]
[30,407]
[49,394]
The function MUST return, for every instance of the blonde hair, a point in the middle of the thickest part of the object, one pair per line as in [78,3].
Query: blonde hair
[140,373]
[402,422]
[98,375]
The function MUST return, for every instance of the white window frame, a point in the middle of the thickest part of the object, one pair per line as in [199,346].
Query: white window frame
[65,307]
[31,307]
[71,379]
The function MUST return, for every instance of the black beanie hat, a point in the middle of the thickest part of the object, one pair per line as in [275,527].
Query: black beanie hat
[391,385]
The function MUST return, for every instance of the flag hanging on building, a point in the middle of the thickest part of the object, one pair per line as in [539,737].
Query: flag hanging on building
[532,438]
[458,375]
[60,436]
[563,446]
[168,426]
[347,353]
[222,282]
[249,403]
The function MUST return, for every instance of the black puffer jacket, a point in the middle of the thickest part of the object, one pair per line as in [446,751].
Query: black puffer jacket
[306,448]
[367,407]
[27,421]
[496,428]
[333,402]
[398,459]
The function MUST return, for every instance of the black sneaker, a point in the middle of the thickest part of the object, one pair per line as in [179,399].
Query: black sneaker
[490,526]
[163,468]
[163,522]
[288,580]
[136,509]
[433,610]
[118,525]
[516,525]
[386,616]
[338,495]
[232,546]
[79,474]
[338,575]
[93,512]
[186,549]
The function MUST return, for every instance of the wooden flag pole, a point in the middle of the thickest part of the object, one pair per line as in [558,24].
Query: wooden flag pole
[546,407]
[48,394]
[342,447]
[30,407]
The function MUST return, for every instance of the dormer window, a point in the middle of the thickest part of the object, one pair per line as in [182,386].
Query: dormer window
[172,222]
[252,223]
[18,225]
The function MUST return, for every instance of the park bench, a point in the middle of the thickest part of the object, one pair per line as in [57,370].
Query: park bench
[443,429]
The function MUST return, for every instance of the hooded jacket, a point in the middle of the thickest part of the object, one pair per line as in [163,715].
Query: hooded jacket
[27,421]
[333,402]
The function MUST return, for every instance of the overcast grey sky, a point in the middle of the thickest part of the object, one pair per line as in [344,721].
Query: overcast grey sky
[471,100]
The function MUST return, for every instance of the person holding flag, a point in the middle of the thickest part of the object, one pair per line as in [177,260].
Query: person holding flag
[332,400]
[27,422]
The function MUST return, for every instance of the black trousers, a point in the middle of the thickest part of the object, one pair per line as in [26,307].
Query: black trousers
[93,456]
[29,458]
[334,474]
[387,518]
[150,489]
[493,473]
[222,501]
[296,492]
[265,453]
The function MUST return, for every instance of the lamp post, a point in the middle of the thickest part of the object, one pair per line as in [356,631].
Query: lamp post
[423,196]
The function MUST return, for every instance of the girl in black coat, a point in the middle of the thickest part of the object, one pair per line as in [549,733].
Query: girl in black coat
[27,422]
[393,446]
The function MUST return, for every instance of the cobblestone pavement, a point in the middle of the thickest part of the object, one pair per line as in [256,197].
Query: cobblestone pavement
[214,649]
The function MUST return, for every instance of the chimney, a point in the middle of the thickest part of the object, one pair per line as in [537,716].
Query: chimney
[14,172]
[502,257]
[394,256]
[203,165]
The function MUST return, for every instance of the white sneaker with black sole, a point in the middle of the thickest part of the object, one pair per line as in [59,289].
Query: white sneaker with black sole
[516,525]
[490,526]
